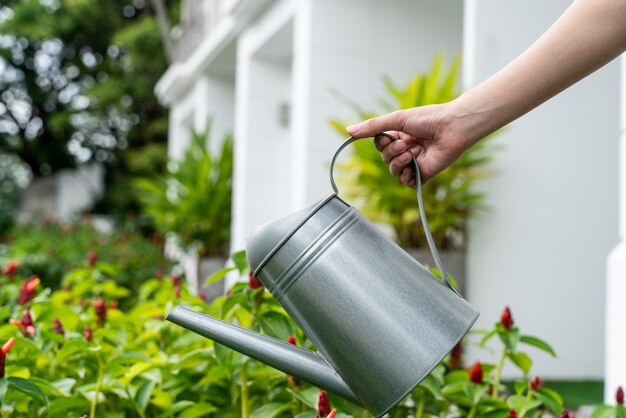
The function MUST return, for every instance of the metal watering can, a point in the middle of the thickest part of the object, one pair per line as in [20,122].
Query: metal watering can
[379,319]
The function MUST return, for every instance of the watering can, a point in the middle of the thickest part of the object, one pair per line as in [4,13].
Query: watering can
[379,319]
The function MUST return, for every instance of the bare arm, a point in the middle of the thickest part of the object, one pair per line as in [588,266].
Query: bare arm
[587,36]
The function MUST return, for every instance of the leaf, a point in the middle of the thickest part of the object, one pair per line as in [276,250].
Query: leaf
[603,411]
[270,410]
[555,407]
[144,393]
[4,385]
[306,415]
[72,347]
[198,410]
[28,388]
[177,407]
[487,337]
[307,396]
[509,338]
[241,261]
[219,275]
[456,376]
[536,342]
[521,360]
[276,325]
[520,387]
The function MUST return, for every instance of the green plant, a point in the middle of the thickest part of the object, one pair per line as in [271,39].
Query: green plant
[449,198]
[77,352]
[193,201]
[50,249]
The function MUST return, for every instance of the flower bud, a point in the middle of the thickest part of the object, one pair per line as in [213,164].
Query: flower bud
[535,383]
[253,282]
[292,380]
[92,257]
[11,268]
[323,404]
[476,373]
[57,327]
[506,319]
[101,311]
[87,333]
[564,414]
[619,396]
[3,354]
[456,356]
[512,414]
[27,290]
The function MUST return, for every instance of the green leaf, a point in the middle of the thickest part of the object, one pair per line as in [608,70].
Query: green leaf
[306,415]
[555,407]
[276,325]
[4,385]
[241,261]
[28,388]
[516,402]
[487,337]
[456,376]
[536,342]
[219,275]
[520,387]
[521,360]
[72,347]
[177,407]
[144,393]
[603,411]
[509,338]
[198,410]
[307,396]
[270,410]
[430,385]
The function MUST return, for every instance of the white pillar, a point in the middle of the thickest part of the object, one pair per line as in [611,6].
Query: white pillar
[615,360]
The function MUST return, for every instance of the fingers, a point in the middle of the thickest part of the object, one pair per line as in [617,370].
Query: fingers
[370,127]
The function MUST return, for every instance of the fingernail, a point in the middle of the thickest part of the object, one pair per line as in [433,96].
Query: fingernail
[353,128]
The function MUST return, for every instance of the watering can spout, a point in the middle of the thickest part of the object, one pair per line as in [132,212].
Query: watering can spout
[295,361]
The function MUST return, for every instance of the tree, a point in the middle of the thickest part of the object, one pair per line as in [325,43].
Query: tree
[76,85]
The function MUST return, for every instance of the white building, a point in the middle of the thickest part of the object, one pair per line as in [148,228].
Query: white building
[264,69]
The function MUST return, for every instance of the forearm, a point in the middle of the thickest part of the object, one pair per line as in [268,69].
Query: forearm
[588,35]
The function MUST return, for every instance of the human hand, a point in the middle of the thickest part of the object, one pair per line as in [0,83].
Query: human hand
[428,131]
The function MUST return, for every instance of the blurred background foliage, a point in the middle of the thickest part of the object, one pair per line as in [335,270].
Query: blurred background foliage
[76,83]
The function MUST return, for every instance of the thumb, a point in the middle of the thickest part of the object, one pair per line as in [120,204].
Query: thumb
[391,122]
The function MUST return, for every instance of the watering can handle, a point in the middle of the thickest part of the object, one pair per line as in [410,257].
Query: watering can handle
[420,203]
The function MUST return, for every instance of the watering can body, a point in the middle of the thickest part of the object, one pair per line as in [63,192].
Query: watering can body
[379,319]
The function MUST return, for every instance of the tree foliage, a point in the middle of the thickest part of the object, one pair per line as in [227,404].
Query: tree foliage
[76,85]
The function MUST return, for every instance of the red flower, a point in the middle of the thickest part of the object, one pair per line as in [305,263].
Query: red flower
[177,291]
[476,373]
[456,361]
[292,380]
[512,414]
[3,354]
[113,304]
[101,310]
[332,413]
[175,279]
[26,325]
[87,333]
[11,268]
[57,327]
[564,414]
[619,396]
[323,404]
[27,290]
[535,383]
[506,319]
[253,282]
[92,257]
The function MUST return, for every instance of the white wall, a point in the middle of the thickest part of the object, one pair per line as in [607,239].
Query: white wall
[348,45]
[541,248]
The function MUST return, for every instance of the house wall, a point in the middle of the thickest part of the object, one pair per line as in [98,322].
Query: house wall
[552,219]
